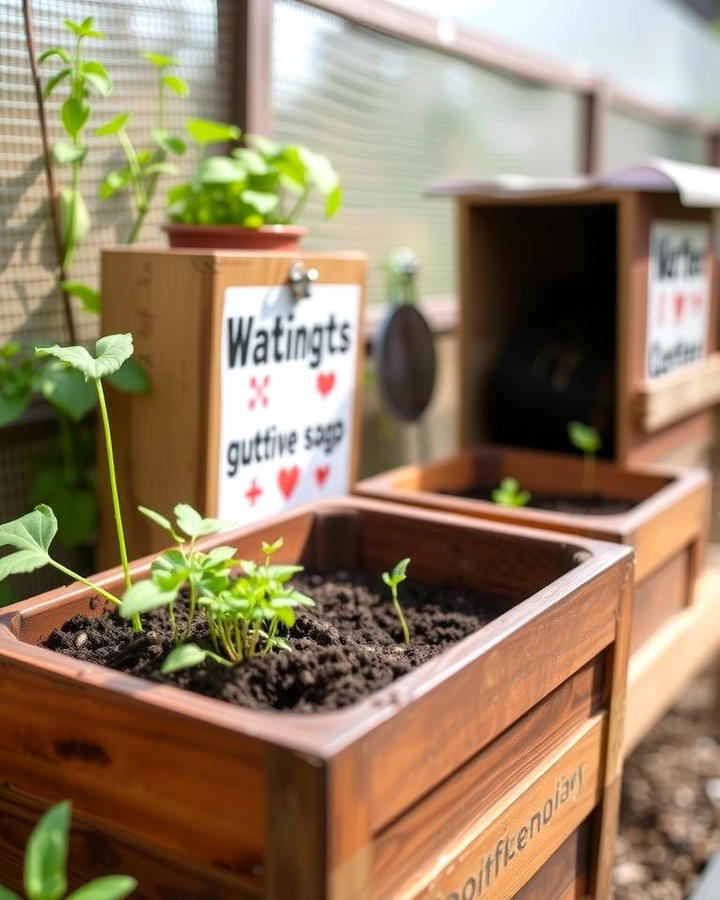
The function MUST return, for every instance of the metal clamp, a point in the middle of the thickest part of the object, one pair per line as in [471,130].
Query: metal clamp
[300,280]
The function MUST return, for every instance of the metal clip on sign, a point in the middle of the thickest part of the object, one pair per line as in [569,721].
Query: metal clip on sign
[300,280]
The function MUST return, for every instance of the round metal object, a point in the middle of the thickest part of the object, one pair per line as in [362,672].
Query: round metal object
[405,362]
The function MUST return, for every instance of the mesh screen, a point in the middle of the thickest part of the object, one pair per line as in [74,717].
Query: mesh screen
[631,139]
[391,116]
[30,307]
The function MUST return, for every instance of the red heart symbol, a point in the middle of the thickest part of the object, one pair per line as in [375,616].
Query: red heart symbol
[321,475]
[679,304]
[325,382]
[287,481]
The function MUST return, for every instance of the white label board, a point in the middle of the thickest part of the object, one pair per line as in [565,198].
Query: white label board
[287,383]
[678,296]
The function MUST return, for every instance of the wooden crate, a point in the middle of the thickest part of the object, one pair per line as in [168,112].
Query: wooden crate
[168,442]
[667,528]
[519,250]
[493,767]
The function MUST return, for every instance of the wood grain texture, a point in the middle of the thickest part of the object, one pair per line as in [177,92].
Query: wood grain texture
[661,595]
[678,395]
[565,875]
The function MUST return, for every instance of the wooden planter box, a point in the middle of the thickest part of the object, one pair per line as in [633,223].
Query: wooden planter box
[498,760]
[667,528]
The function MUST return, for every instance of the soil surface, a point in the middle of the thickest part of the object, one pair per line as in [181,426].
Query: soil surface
[346,647]
[670,815]
[576,504]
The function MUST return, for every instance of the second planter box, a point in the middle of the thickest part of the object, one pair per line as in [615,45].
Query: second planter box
[665,515]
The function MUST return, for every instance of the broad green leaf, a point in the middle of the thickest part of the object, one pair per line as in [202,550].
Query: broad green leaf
[282,573]
[114,125]
[11,408]
[54,81]
[74,114]
[33,531]
[67,390]
[321,172]
[159,59]
[89,296]
[143,597]
[65,153]
[21,561]
[75,507]
[220,555]
[98,76]
[205,131]
[253,161]
[131,377]
[168,142]
[178,193]
[262,202]
[192,523]
[55,51]
[110,353]
[183,657]
[46,855]
[220,170]
[333,201]
[176,84]
[161,168]
[109,887]
[113,182]
[264,144]
[75,220]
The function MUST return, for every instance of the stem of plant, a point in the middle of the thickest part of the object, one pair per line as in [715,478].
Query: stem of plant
[401,616]
[298,208]
[137,625]
[75,577]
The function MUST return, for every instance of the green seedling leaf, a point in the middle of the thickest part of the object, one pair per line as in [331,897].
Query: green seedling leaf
[176,84]
[253,161]
[33,531]
[65,153]
[584,437]
[266,146]
[160,520]
[282,573]
[109,887]
[220,170]
[90,298]
[159,59]
[333,201]
[54,81]
[392,580]
[143,597]
[264,203]
[509,493]
[168,142]
[193,525]
[205,131]
[161,168]
[320,170]
[114,126]
[270,549]
[97,75]
[115,180]
[131,377]
[187,655]
[46,855]
[60,52]
[74,114]
[111,352]
[67,390]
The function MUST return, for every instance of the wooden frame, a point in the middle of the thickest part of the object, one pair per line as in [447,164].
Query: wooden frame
[172,302]
[515,731]
[667,528]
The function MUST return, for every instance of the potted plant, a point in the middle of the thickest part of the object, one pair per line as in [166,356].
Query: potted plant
[250,198]
[662,512]
[429,727]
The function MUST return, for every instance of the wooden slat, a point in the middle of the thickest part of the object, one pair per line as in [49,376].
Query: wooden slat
[565,875]
[676,396]
[660,596]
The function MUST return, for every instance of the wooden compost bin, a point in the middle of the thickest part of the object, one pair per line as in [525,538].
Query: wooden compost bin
[594,300]
[667,527]
[493,767]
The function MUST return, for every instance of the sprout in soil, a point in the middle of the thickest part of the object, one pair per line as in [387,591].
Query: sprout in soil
[31,535]
[45,869]
[392,580]
[586,439]
[509,494]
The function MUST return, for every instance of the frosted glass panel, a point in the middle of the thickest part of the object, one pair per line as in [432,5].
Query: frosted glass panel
[393,115]
[630,140]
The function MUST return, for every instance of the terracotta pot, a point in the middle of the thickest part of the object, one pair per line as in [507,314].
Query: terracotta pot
[279,238]
[507,740]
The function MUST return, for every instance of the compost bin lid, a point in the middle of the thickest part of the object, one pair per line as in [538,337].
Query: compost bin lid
[696,185]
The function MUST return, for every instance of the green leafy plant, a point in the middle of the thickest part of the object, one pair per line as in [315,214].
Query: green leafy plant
[586,439]
[509,493]
[392,580]
[45,869]
[243,614]
[264,183]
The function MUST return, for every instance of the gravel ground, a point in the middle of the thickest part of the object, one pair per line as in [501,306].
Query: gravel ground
[670,817]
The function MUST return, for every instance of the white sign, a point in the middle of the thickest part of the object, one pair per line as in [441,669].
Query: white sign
[287,383]
[678,296]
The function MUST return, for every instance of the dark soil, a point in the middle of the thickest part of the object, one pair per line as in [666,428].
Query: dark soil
[347,646]
[576,504]
[670,815]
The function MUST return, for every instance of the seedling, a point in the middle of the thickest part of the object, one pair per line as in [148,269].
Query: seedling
[32,534]
[45,869]
[586,439]
[509,494]
[392,580]
[265,183]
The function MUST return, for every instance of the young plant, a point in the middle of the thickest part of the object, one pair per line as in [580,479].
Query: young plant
[586,439]
[45,869]
[392,580]
[265,183]
[509,494]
